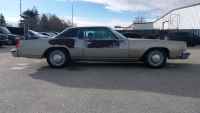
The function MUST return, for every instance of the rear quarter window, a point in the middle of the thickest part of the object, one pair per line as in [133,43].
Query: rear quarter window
[68,33]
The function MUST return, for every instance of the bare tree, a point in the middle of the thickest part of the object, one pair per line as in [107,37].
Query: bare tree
[139,19]
[50,22]
[56,24]
[70,23]
[44,23]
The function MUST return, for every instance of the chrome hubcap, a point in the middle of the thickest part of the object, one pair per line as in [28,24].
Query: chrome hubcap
[57,58]
[155,58]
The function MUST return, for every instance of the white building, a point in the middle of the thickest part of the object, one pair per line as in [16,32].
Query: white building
[140,26]
[181,18]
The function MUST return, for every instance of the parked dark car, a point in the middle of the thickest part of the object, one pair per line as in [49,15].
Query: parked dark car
[3,39]
[133,35]
[158,35]
[12,38]
[190,38]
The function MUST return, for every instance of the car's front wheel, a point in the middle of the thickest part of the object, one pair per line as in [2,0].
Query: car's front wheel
[58,58]
[155,58]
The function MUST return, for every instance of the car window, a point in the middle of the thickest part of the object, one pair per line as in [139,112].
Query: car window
[34,32]
[136,36]
[71,32]
[81,33]
[30,33]
[99,34]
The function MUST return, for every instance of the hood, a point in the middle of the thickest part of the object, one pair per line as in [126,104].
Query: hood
[11,35]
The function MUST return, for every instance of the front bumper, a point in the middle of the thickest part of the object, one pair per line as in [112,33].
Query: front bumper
[185,55]
[3,42]
[14,52]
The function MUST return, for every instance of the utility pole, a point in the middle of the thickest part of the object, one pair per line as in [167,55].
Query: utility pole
[72,15]
[20,7]
[20,12]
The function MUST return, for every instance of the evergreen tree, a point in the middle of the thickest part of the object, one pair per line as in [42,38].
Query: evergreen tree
[31,18]
[2,20]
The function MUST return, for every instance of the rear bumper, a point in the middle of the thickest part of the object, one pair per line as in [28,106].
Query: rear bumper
[185,55]
[14,53]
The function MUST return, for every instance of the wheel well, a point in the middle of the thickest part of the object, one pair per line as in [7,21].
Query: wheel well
[49,49]
[12,40]
[165,49]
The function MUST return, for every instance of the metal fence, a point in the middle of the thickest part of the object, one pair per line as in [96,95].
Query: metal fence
[191,36]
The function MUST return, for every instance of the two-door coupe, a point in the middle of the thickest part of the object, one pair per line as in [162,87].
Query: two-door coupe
[100,44]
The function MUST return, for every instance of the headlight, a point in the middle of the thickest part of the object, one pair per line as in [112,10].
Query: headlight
[17,38]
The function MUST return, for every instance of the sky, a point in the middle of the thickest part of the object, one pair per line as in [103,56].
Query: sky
[94,12]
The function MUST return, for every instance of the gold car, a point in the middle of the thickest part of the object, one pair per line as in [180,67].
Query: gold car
[100,44]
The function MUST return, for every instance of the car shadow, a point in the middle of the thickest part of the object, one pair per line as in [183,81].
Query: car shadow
[174,79]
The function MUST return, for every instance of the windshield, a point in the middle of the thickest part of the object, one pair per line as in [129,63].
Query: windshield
[39,33]
[117,33]
[4,30]
[35,33]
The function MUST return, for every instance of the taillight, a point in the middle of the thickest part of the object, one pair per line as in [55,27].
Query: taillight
[17,45]
[142,37]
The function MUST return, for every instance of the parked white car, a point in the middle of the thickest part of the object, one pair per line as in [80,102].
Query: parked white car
[36,35]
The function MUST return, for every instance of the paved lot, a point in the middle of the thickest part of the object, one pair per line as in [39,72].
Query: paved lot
[30,86]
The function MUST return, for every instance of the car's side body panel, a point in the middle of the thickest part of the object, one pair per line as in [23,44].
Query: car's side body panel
[99,49]
[106,49]
[33,48]
[139,47]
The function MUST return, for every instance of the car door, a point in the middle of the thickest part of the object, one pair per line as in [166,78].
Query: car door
[73,40]
[104,44]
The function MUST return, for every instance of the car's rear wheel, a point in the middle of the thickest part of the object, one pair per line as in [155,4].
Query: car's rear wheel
[155,58]
[0,45]
[58,58]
